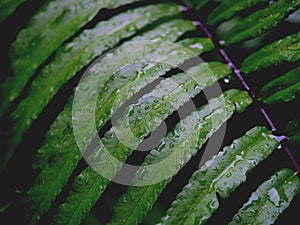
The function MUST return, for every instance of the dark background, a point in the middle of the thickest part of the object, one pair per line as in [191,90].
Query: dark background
[19,175]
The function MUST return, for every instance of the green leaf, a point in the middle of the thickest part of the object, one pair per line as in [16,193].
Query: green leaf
[282,89]
[228,9]
[59,156]
[55,22]
[270,199]
[261,21]
[223,174]
[7,7]
[171,154]
[292,130]
[145,116]
[75,55]
[284,50]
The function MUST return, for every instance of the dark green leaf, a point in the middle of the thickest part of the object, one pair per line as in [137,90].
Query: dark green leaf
[292,130]
[261,21]
[283,88]
[7,7]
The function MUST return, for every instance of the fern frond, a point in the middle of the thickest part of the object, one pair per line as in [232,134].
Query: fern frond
[228,9]
[170,31]
[174,151]
[261,21]
[65,156]
[270,199]
[75,55]
[223,174]
[55,22]
[146,115]
[166,32]
[7,7]
[284,50]
[283,88]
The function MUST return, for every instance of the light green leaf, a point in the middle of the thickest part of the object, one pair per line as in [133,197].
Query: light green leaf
[284,50]
[283,88]
[223,174]
[270,199]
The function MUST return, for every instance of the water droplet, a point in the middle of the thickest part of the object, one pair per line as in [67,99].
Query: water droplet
[166,217]
[226,80]
[274,196]
[197,45]
[238,219]
[214,204]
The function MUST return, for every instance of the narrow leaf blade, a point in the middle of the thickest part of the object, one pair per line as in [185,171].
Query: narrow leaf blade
[270,199]
[282,89]
[284,50]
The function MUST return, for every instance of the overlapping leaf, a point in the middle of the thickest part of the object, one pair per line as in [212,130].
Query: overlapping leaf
[270,199]
[223,174]
[55,22]
[284,50]
[261,21]
[173,152]
[77,54]
[116,79]
[62,125]
[60,154]
[145,116]
[282,89]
